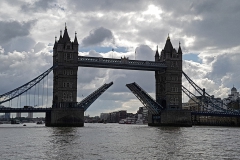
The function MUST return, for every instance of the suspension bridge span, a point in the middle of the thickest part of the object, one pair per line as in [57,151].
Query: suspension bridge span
[165,109]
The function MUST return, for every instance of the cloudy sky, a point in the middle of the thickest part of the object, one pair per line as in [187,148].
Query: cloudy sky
[208,31]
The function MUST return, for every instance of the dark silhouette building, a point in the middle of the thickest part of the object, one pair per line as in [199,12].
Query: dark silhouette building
[169,82]
[65,57]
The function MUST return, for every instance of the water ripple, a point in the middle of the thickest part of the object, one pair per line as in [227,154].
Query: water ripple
[115,141]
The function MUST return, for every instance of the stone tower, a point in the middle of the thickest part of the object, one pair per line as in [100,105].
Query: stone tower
[65,58]
[169,82]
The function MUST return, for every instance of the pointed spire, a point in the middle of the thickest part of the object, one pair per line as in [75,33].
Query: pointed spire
[66,37]
[179,48]
[75,39]
[55,44]
[168,37]
[168,46]
[60,37]
[157,53]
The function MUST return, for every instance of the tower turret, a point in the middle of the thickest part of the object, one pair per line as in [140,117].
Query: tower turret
[157,55]
[66,37]
[75,39]
[179,49]
[168,48]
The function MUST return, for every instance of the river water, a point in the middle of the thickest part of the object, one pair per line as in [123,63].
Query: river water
[118,141]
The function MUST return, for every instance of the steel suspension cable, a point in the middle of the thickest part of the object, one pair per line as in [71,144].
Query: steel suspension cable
[38,94]
[34,95]
[47,91]
[20,90]
[17,101]
[29,97]
[20,101]
[42,91]
[26,99]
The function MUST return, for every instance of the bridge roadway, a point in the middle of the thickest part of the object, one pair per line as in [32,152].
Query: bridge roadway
[123,63]
[22,110]
[216,114]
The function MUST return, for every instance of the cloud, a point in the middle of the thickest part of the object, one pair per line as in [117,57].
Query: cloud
[107,5]
[93,53]
[144,52]
[38,6]
[98,36]
[13,29]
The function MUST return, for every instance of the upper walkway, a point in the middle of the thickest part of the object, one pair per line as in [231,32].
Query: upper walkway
[123,63]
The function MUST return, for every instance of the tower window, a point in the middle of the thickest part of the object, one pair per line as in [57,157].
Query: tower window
[69,55]
[68,46]
[65,56]
[67,85]
[64,95]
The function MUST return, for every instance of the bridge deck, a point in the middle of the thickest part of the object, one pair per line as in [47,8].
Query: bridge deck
[218,114]
[123,63]
[22,110]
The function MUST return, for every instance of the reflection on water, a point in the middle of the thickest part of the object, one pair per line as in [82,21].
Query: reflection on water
[115,141]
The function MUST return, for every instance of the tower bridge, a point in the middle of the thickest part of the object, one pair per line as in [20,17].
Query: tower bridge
[165,109]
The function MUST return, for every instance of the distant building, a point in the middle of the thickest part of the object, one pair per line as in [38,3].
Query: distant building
[144,112]
[7,116]
[122,114]
[233,99]
[104,116]
[114,117]
[200,103]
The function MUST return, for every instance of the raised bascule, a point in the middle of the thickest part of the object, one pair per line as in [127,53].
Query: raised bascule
[164,110]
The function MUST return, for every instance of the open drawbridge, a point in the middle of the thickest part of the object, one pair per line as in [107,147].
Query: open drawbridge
[86,102]
[152,106]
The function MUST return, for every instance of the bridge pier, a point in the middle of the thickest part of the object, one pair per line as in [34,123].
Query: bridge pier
[176,118]
[65,117]
[215,121]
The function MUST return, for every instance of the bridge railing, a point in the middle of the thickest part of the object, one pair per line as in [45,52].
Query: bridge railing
[120,61]
[65,105]
[14,110]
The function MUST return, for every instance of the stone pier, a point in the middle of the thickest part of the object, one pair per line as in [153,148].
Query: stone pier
[176,118]
[65,117]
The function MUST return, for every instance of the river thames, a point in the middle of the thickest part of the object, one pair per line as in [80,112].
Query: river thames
[118,141]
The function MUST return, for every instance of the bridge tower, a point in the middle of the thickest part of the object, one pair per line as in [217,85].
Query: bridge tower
[65,57]
[64,104]
[169,82]
[169,88]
